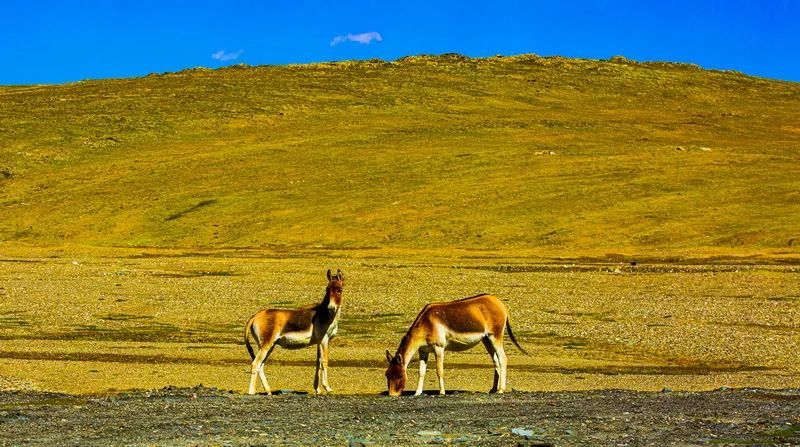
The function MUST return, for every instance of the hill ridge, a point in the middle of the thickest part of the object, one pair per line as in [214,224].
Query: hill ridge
[565,156]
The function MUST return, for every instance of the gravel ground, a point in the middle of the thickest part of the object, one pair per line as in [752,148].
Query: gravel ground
[208,416]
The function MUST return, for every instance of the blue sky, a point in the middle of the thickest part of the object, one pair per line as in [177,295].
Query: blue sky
[62,41]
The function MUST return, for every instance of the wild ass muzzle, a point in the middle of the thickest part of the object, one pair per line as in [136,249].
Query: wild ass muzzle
[452,326]
[294,329]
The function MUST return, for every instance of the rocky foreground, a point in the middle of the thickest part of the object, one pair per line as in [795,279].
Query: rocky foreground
[207,416]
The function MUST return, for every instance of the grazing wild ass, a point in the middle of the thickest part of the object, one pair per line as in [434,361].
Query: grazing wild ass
[294,329]
[452,326]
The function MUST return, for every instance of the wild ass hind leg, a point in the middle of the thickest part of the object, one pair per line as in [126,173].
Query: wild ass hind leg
[261,374]
[495,361]
[438,352]
[500,361]
[423,368]
[256,369]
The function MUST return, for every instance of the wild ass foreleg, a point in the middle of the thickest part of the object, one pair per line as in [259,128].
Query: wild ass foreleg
[317,372]
[438,351]
[324,346]
[423,367]
[321,375]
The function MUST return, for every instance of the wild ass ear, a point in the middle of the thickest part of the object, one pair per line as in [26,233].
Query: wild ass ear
[339,274]
[399,358]
[388,357]
[329,274]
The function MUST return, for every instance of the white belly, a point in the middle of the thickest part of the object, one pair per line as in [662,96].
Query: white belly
[461,342]
[294,340]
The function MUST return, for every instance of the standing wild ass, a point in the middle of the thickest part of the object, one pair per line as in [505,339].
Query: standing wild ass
[294,329]
[452,326]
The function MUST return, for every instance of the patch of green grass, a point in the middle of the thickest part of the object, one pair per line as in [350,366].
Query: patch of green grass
[123,317]
[783,298]
[192,274]
[14,319]
[789,436]
[792,431]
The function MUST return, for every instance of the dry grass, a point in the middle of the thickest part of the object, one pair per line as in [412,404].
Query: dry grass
[147,322]
[189,200]
[430,153]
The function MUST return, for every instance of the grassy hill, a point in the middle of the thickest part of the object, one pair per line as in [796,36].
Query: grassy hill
[553,156]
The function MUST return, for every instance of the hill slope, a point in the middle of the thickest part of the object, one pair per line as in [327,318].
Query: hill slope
[552,155]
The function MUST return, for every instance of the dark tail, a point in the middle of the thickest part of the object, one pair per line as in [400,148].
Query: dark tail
[511,336]
[247,329]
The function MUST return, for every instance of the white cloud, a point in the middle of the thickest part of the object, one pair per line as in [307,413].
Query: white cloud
[222,56]
[365,38]
[337,40]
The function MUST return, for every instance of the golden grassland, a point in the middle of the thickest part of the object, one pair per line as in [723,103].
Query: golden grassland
[146,319]
[429,153]
[142,221]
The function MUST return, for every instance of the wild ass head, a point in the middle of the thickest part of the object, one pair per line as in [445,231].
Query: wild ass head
[333,293]
[395,374]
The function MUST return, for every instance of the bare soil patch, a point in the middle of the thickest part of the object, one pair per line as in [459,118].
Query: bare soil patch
[208,416]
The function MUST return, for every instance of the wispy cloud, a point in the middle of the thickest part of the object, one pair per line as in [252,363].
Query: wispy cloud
[222,56]
[365,38]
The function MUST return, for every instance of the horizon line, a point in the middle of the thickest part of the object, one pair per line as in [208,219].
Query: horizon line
[399,59]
